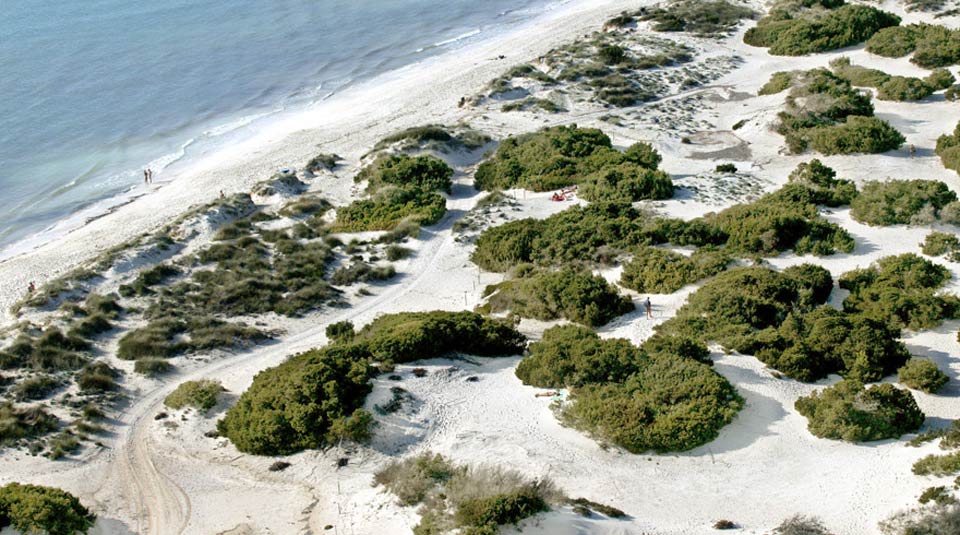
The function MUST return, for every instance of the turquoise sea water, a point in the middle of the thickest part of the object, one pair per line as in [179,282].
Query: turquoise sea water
[91,92]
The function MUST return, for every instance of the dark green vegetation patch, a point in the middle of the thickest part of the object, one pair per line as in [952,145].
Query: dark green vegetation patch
[809,26]
[571,293]
[639,400]
[315,397]
[848,411]
[401,187]
[38,509]
[703,18]
[825,113]
[901,202]
[932,45]
[567,155]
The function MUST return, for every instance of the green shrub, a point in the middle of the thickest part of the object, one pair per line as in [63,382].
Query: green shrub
[671,404]
[736,304]
[201,395]
[340,332]
[937,46]
[786,219]
[655,270]
[467,500]
[900,291]
[903,88]
[361,272]
[939,495]
[34,387]
[705,18]
[726,168]
[894,41]
[858,75]
[98,377]
[35,509]
[315,398]
[940,79]
[899,202]
[924,521]
[858,135]
[801,525]
[848,411]
[323,161]
[91,326]
[566,155]
[948,148]
[24,422]
[424,173]
[813,31]
[412,479]
[938,465]
[923,375]
[570,293]
[152,367]
[148,278]
[824,112]
[572,356]
[952,94]
[939,244]
[170,337]
[304,206]
[809,346]
[389,209]
[395,252]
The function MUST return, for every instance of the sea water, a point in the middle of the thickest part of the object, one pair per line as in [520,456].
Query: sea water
[94,91]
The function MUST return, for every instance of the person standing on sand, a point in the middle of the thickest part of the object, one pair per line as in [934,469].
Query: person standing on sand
[649,308]
[146,176]
[913,150]
[31,287]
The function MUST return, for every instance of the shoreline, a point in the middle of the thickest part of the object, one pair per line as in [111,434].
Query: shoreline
[347,123]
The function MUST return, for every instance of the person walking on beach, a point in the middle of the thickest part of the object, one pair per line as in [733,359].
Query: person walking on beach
[649,308]
[31,287]
[913,150]
[146,176]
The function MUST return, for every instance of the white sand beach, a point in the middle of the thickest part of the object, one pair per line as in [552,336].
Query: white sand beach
[162,476]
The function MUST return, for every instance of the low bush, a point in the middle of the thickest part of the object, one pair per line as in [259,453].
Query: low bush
[824,112]
[901,202]
[858,75]
[952,94]
[570,356]
[340,332]
[361,272]
[904,88]
[783,220]
[472,501]
[939,244]
[389,208]
[152,367]
[858,135]
[848,411]
[801,525]
[91,326]
[735,305]
[940,79]
[809,346]
[52,351]
[948,148]
[934,520]
[326,161]
[566,155]
[201,395]
[148,278]
[38,509]
[304,206]
[900,291]
[938,465]
[441,138]
[923,375]
[939,495]
[570,293]
[98,377]
[170,337]
[726,168]
[810,31]
[822,185]
[655,270]
[34,387]
[17,423]
[424,173]
[636,400]
[894,41]
[671,404]
[315,398]
[396,252]
[704,18]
